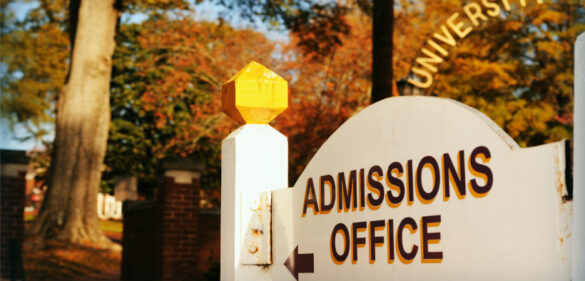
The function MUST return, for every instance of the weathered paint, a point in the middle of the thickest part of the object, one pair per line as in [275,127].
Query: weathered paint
[258,236]
[579,162]
[254,159]
[254,95]
[564,209]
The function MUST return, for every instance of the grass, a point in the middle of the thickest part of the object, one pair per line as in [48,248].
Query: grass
[29,217]
[112,226]
[105,225]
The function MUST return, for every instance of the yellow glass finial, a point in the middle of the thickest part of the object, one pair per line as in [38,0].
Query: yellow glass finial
[254,95]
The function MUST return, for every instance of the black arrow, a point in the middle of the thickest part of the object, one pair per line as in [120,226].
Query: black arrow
[299,263]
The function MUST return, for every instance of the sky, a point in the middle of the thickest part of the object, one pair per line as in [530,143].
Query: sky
[7,137]
[204,11]
[8,141]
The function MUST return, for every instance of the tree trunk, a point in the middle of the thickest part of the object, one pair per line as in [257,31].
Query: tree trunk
[383,25]
[83,117]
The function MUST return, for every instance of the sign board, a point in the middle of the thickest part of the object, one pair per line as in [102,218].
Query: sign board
[421,188]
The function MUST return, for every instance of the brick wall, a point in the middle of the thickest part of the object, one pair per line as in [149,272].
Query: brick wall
[141,241]
[12,223]
[180,212]
[163,239]
[209,239]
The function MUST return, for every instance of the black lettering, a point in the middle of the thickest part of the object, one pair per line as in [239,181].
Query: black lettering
[480,170]
[390,241]
[326,208]
[427,197]
[362,190]
[426,236]
[347,191]
[375,240]
[450,174]
[410,182]
[337,258]
[374,176]
[406,257]
[356,241]
[395,183]
[310,198]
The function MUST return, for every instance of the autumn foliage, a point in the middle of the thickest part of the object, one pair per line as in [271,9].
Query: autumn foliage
[517,68]
[165,93]
[168,71]
[324,92]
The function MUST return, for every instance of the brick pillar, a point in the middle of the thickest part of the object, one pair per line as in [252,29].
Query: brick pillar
[12,186]
[179,203]
[141,242]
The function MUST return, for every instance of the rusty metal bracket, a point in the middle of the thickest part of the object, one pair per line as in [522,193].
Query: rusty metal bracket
[257,240]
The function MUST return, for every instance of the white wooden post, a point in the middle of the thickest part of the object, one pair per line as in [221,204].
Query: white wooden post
[579,163]
[254,160]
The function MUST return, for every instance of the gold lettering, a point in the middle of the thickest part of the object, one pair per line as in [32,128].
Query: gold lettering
[438,48]
[507,5]
[493,8]
[428,78]
[473,11]
[458,26]
[427,61]
[447,37]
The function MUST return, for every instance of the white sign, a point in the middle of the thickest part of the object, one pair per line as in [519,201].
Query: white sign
[420,188]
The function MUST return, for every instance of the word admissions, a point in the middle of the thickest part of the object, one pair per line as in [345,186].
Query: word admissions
[399,185]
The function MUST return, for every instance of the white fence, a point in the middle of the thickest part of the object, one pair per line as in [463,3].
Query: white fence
[108,207]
